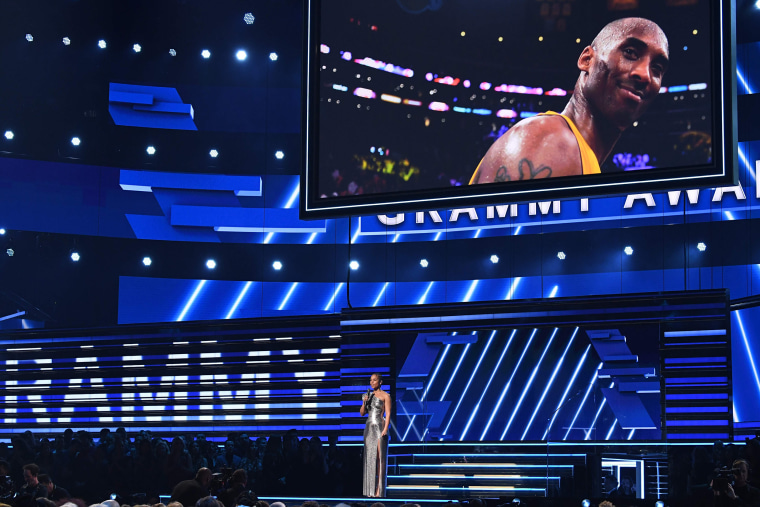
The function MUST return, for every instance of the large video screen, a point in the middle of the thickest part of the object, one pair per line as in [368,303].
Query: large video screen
[424,104]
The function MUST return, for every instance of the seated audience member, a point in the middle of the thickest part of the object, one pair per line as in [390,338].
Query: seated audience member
[237,485]
[188,492]
[55,493]
[32,487]
[208,501]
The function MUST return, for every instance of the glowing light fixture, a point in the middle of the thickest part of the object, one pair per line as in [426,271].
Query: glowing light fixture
[628,250]
[273,56]
[9,134]
[561,256]
[151,150]
[137,48]
[76,141]
[354,265]
[424,263]
[2,232]
[147,261]
[585,503]
[241,55]
[213,153]
[248,18]
[277,265]
[29,37]
[279,154]
[495,259]
[206,54]
[102,44]
[173,52]
[10,252]
[75,256]
[701,246]
[66,41]
[211,264]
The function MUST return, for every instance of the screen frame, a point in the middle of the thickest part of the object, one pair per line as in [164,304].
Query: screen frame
[721,172]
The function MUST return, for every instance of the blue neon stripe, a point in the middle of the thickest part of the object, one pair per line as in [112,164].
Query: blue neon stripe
[329,304]
[706,396]
[190,301]
[696,380]
[238,300]
[696,410]
[750,356]
[287,296]
[702,422]
[549,384]
[690,360]
[695,436]
[435,372]
[377,299]
[583,401]
[488,384]
[467,387]
[506,387]
[562,398]
[456,370]
[598,412]
[609,433]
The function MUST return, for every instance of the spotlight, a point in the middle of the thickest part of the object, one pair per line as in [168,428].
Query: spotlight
[147,261]
[561,256]
[279,155]
[213,153]
[151,150]
[248,18]
[659,503]
[9,134]
[76,141]
[66,41]
[241,55]
[495,258]
[701,246]
[2,232]
[353,265]
[75,256]
[211,264]
[10,252]
[424,263]
[206,54]
[515,501]
[173,52]
[102,44]
[585,503]
[273,56]
[29,37]
[277,265]
[628,250]
[137,48]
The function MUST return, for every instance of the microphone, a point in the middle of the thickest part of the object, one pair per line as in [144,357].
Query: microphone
[369,393]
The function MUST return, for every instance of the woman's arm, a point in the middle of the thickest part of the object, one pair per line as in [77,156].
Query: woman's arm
[363,409]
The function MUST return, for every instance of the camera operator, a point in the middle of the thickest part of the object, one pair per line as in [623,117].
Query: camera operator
[737,491]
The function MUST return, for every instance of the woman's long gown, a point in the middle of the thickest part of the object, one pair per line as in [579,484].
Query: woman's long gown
[372,431]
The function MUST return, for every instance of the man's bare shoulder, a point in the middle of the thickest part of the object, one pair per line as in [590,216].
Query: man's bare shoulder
[537,147]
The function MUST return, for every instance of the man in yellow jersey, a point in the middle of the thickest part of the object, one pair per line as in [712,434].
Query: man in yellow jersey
[621,74]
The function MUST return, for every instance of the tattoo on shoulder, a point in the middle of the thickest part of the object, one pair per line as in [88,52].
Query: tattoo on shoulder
[525,170]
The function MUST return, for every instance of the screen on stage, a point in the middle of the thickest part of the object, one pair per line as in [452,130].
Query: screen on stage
[426,104]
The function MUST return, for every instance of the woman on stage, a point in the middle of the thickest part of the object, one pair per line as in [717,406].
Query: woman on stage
[375,437]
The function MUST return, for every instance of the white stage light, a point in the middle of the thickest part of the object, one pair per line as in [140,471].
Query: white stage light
[279,155]
[2,232]
[241,55]
[173,52]
[213,153]
[66,41]
[701,246]
[102,44]
[353,265]
[75,256]
[206,54]
[137,48]
[151,150]
[10,252]
[248,18]
[273,56]
[561,256]
[9,134]
[628,250]
[29,37]
[424,263]
[147,261]
[495,258]
[277,265]
[76,141]
[211,264]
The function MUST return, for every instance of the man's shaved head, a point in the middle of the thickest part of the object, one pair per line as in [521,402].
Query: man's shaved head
[621,28]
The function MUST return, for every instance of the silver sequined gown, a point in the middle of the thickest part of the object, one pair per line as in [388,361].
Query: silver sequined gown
[372,431]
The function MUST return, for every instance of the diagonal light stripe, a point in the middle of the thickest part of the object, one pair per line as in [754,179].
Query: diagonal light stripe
[743,81]
[329,304]
[513,288]
[596,417]
[529,384]
[506,387]
[377,299]
[748,349]
[190,301]
[562,401]
[470,291]
[549,384]
[583,401]
[238,300]
[424,296]
[293,197]
[488,384]
[287,296]
[609,433]
[435,372]
[472,376]
[456,370]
